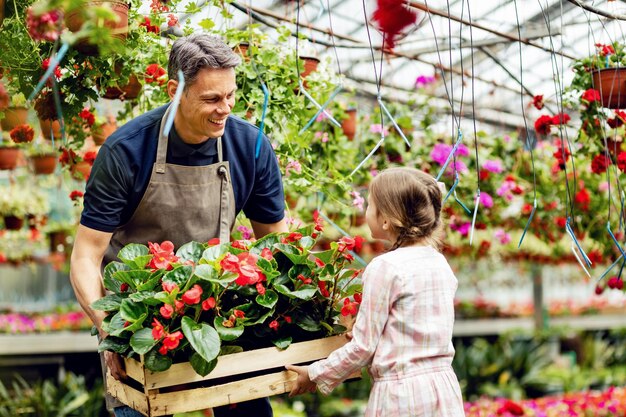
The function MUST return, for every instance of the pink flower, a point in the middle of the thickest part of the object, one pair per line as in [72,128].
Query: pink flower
[502,236]
[172,20]
[293,166]
[44,27]
[208,304]
[166,311]
[357,200]
[493,166]
[424,80]
[378,128]
[485,199]
[192,296]
[603,186]
[245,232]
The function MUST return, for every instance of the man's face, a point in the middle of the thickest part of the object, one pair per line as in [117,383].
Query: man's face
[205,105]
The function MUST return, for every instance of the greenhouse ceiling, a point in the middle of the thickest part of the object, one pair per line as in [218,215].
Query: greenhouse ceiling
[490,57]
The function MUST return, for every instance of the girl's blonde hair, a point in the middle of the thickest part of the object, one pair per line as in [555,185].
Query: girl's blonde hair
[410,200]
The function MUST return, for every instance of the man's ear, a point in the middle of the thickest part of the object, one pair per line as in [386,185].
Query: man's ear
[172,86]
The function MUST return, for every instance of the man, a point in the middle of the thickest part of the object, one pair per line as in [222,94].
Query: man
[188,185]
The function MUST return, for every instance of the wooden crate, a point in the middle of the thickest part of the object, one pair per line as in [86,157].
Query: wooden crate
[151,401]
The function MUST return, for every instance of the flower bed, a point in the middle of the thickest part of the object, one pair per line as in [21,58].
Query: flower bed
[610,403]
[23,323]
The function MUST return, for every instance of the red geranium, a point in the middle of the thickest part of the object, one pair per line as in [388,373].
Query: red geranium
[621,161]
[583,199]
[155,74]
[22,134]
[538,101]
[75,195]
[560,119]
[512,408]
[543,124]
[600,163]
[591,95]
[147,23]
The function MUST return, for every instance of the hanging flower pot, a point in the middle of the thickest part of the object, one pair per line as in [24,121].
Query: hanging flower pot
[74,20]
[58,241]
[44,164]
[14,116]
[243,49]
[13,222]
[50,128]
[81,170]
[101,132]
[8,157]
[125,92]
[310,65]
[611,83]
[349,124]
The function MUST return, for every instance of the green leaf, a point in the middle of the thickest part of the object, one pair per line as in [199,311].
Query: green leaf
[229,350]
[307,323]
[227,334]
[307,242]
[115,325]
[140,262]
[113,344]
[292,253]
[206,24]
[282,343]
[132,328]
[268,299]
[110,302]
[202,337]
[191,251]
[179,275]
[306,292]
[208,273]
[129,252]
[133,278]
[202,367]
[110,282]
[156,362]
[132,311]
[325,256]
[145,297]
[214,252]
[152,282]
[142,341]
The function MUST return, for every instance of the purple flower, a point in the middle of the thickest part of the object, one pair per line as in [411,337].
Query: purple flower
[424,80]
[293,166]
[358,200]
[464,228]
[440,153]
[462,150]
[245,232]
[493,166]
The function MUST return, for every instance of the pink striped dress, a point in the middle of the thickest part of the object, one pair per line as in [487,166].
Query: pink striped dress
[403,333]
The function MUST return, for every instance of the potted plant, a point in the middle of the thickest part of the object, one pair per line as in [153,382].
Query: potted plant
[14,206]
[102,129]
[16,114]
[43,157]
[9,152]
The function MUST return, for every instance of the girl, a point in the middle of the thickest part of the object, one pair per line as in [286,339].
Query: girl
[403,330]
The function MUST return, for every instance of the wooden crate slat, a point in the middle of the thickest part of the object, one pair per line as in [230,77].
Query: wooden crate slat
[128,395]
[233,392]
[250,361]
[135,370]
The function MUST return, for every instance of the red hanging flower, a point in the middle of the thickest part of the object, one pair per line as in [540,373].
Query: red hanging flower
[583,198]
[75,195]
[538,101]
[605,50]
[618,120]
[68,157]
[543,124]
[147,23]
[45,64]
[600,163]
[621,161]
[90,157]
[591,95]
[44,27]
[22,134]
[392,16]
[562,155]
[155,74]
[87,116]
[560,119]
[172,20]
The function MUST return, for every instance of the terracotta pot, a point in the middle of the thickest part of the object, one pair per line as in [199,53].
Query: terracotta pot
[50,128]
[125,92]
[80,170]
[242,49]
[13,222]
[611,83]
[44,164]
[9,157]
[310,65]
[349,124]
[14,116]
[74,20]
[102,132]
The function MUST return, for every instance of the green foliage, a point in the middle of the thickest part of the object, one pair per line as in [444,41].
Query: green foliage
[69,398]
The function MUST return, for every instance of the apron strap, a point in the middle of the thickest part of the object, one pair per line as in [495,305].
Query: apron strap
[161,156]
[224,204]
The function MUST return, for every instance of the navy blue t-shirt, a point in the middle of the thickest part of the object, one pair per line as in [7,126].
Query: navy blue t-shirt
[121,172]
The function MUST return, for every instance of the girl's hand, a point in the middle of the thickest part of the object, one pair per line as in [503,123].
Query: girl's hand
[302,384]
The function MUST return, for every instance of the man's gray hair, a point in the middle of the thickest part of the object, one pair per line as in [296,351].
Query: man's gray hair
[192,53]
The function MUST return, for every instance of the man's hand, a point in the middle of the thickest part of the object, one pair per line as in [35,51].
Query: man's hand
[303,384]
[115,364]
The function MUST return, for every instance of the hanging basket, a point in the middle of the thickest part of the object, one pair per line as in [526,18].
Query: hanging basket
[9,158]
[611,83]
[348,125]
[44,164]
[101,133]
[129,91]
[74,20]
[50,128]
[13,222]
[14,116]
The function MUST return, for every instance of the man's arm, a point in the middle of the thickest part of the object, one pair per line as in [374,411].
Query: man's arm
[262,229]
[89,248]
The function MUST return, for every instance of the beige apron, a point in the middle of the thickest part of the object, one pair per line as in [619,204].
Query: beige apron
[180,204]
